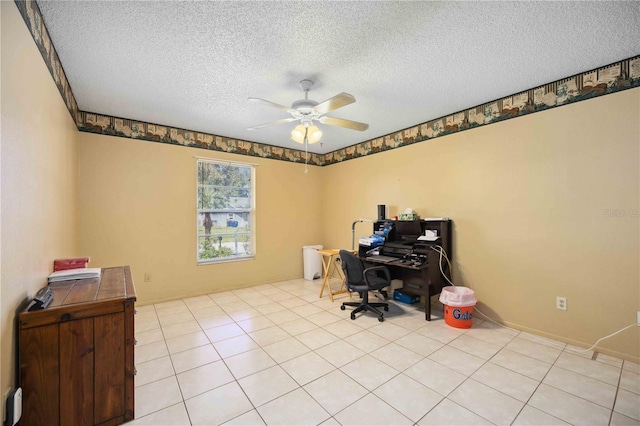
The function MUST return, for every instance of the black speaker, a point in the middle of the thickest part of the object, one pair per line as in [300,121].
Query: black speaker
[382,212]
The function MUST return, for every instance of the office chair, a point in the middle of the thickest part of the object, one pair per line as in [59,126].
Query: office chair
[363,280]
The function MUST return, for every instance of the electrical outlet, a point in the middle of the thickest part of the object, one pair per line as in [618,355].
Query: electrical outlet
[561,303]
[638,317]
[147,277]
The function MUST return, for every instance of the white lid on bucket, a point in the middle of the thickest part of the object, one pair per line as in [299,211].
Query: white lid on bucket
[457,296]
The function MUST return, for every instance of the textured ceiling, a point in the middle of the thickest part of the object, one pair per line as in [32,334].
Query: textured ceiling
[193,65]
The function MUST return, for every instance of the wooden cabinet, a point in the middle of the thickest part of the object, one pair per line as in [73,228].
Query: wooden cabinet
[76,356]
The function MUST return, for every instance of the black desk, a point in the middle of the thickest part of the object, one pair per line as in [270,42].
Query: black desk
[424,280]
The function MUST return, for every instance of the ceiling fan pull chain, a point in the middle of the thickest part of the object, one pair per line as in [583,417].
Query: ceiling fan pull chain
[306,155]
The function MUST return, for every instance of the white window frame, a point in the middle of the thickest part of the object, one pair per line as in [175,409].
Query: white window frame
[251,212]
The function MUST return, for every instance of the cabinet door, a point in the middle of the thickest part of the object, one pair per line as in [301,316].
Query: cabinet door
[76,372]
[39,372]
[109,386]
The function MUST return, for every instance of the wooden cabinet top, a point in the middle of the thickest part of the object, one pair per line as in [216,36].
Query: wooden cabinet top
[80,298]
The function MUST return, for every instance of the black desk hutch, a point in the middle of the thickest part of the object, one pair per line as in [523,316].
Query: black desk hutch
[416,262]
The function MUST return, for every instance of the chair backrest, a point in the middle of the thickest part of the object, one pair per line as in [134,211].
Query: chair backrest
[352,267]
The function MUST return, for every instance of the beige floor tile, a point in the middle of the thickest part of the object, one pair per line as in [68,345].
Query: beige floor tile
[214,320]
[618,419]
[396,356]
[628,404]
[489,334]
[316,338]
[251,418]
[293,302]
[156,396]
[244,314]
[419,344]
[339,353]
[440,333]
[409,397]
[335,391]
[389,331]
[530,416]
[586,367]
[306,412]
[576,384]
[205,378]
[146,323]
[342,328]
[368,371]
[298,326]
[154,370]
[168,320]
[322,319]
[306,310]
[192,358]
[187,341]
[630,381]
[371,410]
[270,308]
[249,362]
[223,332]
[567,407]
[267,385]
[506,381]
[539,351]
[176,415]
[522,364]
[352,369]
[180,329]
[367,341]
[207,311]
[285,350]
[151,351]
[435,376]
[457,360]
[631,366]
[486,402]
[269,335]
[450,413]
[235,346]
[283,316]
[218,405]
[255,323]
[475,347]
[151,336]
[198,302]
[307,367]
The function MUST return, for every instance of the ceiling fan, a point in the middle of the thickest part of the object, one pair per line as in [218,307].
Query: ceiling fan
[306,111]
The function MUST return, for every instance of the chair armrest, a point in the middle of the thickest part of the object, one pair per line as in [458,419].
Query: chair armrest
[375,269]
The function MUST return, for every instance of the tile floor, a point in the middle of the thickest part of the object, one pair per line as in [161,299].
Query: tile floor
[276,354]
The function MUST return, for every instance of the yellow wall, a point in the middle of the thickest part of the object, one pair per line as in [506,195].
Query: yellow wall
[529,199]
[39,171]
[137,206]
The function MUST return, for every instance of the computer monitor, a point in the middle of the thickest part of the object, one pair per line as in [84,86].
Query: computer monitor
[408,230]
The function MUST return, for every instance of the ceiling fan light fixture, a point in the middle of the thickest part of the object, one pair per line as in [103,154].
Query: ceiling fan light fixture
[313,134]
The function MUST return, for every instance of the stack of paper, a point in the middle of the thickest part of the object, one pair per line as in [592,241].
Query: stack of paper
[74,274]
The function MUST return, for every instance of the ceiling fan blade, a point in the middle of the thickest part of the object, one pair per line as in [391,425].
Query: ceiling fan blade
[338,101]
[354,125]
[273,123]
[271,104]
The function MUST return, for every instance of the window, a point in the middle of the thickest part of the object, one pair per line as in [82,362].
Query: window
[226,210]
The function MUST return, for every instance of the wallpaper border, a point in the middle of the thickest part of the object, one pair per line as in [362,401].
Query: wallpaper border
[612,78]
